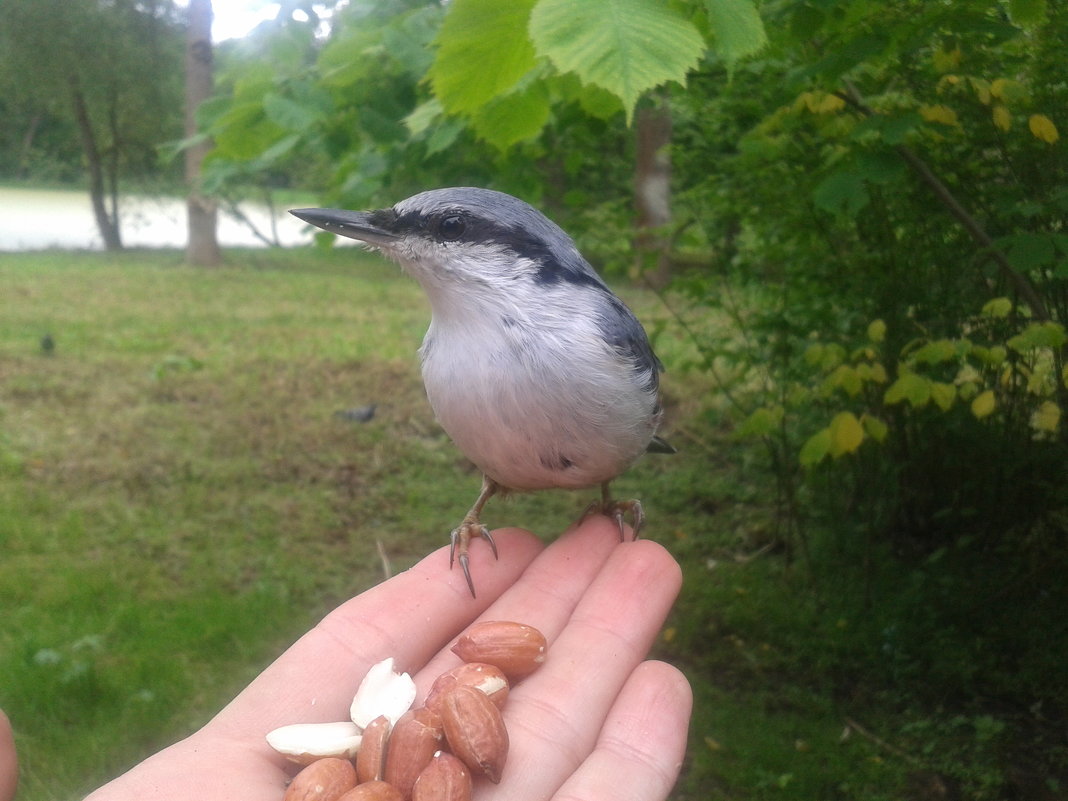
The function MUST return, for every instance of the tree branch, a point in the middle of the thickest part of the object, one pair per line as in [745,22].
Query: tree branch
[948,199]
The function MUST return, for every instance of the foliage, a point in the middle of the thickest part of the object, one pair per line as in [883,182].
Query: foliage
[126,58]
[413,94]
[879,203]
[89,92]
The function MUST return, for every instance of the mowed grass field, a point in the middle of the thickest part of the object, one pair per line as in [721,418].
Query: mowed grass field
[182,495]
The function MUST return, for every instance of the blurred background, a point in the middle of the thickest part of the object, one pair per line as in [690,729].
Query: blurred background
[843,223]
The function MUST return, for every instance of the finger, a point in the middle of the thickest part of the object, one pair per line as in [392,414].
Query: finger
[640,749]
[409,617]
[549,589]
[554,716]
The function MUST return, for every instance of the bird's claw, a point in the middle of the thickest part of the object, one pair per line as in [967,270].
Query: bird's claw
[617,511]
[459,539]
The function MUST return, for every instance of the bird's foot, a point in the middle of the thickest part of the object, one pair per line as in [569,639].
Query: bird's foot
[461,537]
[618,510]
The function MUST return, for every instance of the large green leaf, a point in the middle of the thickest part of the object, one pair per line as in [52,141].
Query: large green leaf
[842,193]
[624,46]
[483,51]
[287,114]
[738,28]
[514,117]
[1027,13]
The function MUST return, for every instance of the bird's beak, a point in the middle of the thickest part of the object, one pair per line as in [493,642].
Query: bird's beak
[353,224]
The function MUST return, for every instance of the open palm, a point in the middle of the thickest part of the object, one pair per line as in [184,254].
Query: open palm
[596,721]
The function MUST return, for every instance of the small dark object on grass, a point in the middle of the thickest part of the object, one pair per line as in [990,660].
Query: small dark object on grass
[359,414]
[48,345]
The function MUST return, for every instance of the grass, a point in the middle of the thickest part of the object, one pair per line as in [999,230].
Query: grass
[180,501]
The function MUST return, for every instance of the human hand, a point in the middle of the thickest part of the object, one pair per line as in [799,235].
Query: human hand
[595,721]
[9,763]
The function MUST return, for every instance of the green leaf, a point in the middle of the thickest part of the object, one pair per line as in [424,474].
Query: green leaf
[762,422]
[483,51]
[1027,13]
[513,117]
[984,404]
[998,307]
[941,350]
[1029,251]
[1038,335]
[909,387]
[841,193]
[275,152]
[1046,417]
[817,446]
[846,434]
[877,330]
[423,116]
[891,128]
[624,46]
[845,378]
[287,114]
[874,427]
[943,395]
[738,28]
[880,167]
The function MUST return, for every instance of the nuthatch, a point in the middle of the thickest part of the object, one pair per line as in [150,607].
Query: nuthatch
[534,368]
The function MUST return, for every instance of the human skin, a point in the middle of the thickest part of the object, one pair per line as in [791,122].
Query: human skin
[596,721]
[9,767]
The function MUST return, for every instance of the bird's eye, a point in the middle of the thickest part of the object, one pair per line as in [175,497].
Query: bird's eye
[452,227]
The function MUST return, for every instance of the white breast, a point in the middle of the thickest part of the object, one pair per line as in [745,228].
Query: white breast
[536,400]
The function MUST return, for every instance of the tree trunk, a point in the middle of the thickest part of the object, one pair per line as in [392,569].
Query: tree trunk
[108,224]
[652,193]
[27,145]
[202,247]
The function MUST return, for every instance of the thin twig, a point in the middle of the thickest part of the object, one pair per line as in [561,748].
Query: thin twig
[879,741]
[948,199]
[387,568]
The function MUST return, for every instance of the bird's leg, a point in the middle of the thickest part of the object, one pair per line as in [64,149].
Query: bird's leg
[616,510]
[469,527]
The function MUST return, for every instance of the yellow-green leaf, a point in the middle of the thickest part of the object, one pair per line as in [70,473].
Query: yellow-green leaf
[982,90]
[1046,334]
[939,113]
[943,395]
[945,60]
[877,330]
[846,434]
[911,387]
[878,373]
[936,352]
[1002,117]
[844,377]
[984,404]
[1046,417]
[761,422]
[483,51]
[998,307]
[819,102]
[626,46]
[817,447]
[1043,128]
[874,427]
[1008,90]
[814,354]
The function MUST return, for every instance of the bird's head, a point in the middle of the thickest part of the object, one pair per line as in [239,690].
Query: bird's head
[464,239]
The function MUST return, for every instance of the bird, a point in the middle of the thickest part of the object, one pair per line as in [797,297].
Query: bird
[540,375]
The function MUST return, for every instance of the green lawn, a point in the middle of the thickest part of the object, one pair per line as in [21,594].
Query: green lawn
[180,500]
